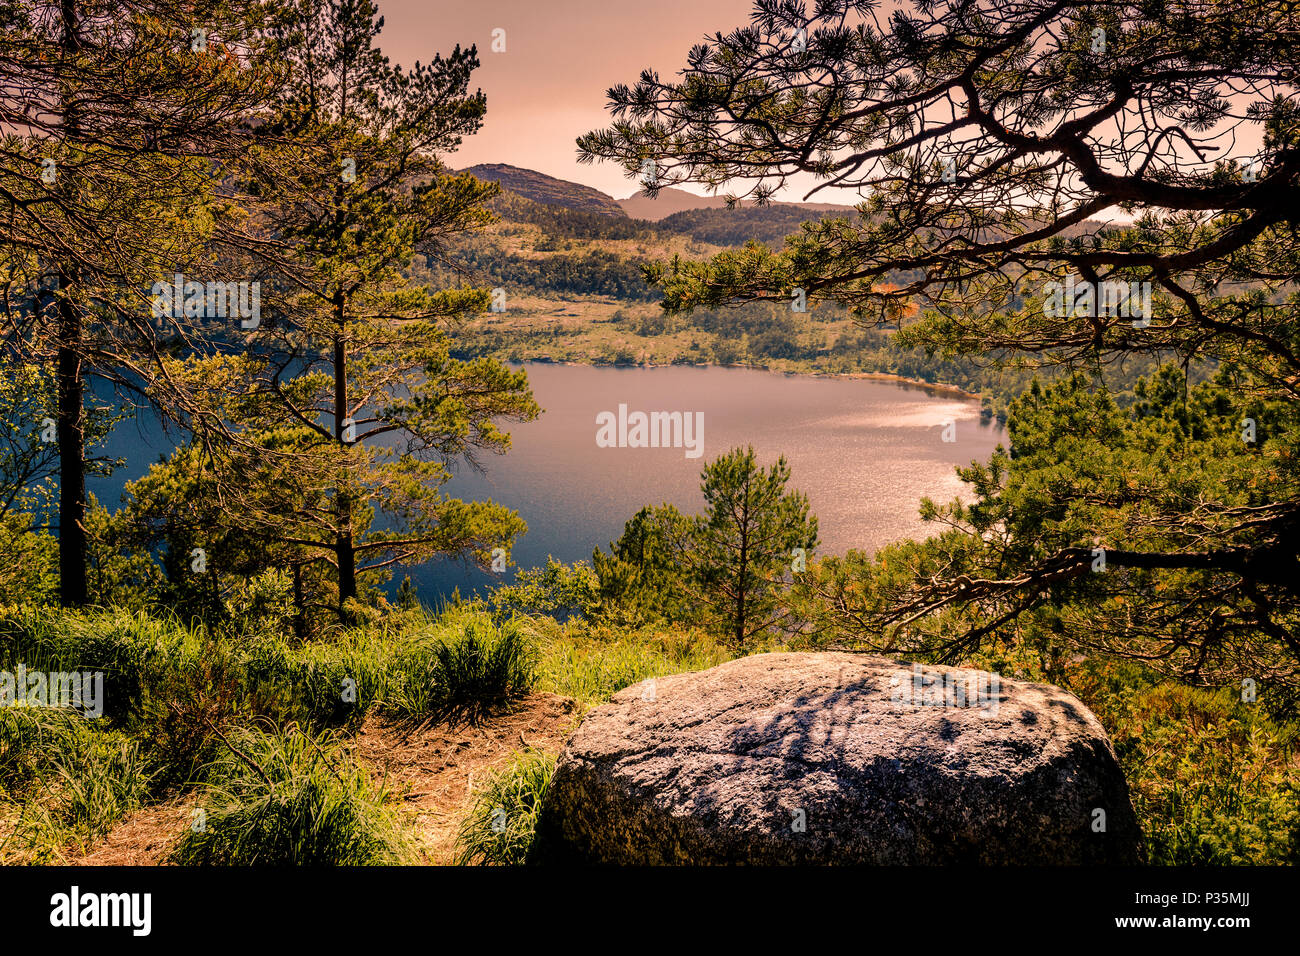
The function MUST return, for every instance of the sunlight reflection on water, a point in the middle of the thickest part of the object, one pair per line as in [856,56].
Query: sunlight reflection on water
[864,451]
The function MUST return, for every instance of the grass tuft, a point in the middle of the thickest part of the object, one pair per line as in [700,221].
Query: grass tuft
[475,672]
[64,781]
[289,799]
[500,827]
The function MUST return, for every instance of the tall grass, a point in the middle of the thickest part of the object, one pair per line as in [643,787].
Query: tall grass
[131,649]
[451,666]
[184,706]
[28,737]
[591,665]
[64,781]
[502,823]
[465,675]
[290,799]
[91,788]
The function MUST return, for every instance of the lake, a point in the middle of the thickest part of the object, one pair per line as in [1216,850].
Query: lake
[864,452]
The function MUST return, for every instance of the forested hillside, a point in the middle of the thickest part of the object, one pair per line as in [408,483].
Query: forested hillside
[576,291]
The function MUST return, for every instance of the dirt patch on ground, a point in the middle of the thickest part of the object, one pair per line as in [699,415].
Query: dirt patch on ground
[432,771]
[435,770]
[145,838]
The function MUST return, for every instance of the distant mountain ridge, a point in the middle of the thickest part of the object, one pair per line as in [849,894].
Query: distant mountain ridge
[547,189]
[578,211]
[552,191]
[671,201]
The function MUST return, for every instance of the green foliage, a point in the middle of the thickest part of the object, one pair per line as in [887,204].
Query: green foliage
[288,799]
[127,648]
[643,577]
[130,196]
[64,780]
[29,572]
[256,509]
[94,786]
[464,676]
[727,568]
[26,456]
[1213,778]
[1214,781]
[500,826]
[743,547]
[323,684]
[590,272]
[187,708]
[557,590]
[406,597]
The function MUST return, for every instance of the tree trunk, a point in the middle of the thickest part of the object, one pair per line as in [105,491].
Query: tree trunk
[744,567]
[300,612]
[71,438]
[70,425]
[344,552]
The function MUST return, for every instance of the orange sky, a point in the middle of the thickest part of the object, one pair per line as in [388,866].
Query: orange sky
[561,55]
[548,87]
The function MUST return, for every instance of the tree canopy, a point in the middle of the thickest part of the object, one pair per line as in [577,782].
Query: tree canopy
[1001,152]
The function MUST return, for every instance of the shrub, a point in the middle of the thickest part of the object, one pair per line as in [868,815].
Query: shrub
[290,799]
[558,590]
[478,671]
[1220,797]
[185,710]
[1214,780]
[500,827]
[62,780]
[262,603]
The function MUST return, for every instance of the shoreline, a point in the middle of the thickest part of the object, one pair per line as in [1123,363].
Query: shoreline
[937,388]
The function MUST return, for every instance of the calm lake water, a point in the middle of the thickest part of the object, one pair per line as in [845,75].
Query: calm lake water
[865,452]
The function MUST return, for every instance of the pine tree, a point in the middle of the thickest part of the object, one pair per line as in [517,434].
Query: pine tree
[727,568]
[1145,153]
[363,409]
[114,115]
